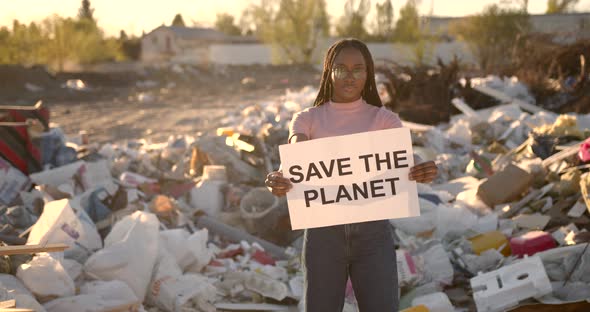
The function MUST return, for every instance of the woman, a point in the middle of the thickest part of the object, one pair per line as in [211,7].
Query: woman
[348,103]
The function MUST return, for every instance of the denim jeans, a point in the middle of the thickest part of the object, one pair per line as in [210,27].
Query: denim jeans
[365,252]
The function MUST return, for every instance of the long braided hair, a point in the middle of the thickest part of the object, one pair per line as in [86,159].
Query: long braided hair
[369,93]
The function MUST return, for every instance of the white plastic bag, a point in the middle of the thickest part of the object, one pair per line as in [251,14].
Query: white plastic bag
[175,241]
[460,133]
[186,291]
[44,276]
[73,267]
[59,223]
[416,225]
[130,252]
[437,266]
[16,290]
[165,270]
[96,296]
[200,254]
[453,220]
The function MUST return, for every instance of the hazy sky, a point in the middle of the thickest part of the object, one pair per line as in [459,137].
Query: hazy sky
[136,15]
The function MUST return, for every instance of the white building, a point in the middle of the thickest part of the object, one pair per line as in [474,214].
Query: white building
[570,25]
[208,46]
[188,45]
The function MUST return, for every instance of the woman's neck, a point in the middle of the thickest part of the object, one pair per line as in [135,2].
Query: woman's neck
[341,101]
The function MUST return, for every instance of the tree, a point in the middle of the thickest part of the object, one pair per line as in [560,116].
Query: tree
[131,48]
[384,26]
[560,6]
[178,21]
[225,24]
[493,34]
[123,35]
[85,12]
[524,4]
[352,22]
[4,42]
[292,27]
[407,27]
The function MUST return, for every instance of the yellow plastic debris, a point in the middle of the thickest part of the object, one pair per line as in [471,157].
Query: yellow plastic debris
[490,240]
[565,125]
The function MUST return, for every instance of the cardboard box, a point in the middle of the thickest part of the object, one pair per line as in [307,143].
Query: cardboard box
[505,186]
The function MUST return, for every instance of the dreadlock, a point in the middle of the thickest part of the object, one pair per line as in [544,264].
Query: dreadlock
[369,93]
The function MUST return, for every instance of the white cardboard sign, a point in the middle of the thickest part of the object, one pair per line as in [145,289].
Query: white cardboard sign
[348,179]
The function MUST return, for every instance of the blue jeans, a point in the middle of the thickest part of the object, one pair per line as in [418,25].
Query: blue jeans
[365,252]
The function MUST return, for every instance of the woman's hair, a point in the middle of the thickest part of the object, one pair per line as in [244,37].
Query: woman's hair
[369,93]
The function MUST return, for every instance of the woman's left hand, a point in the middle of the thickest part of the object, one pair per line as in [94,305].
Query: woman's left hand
[424,173]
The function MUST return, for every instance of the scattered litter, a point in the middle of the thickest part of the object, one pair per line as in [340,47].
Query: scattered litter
[75,84]
[504,288]
[187,224]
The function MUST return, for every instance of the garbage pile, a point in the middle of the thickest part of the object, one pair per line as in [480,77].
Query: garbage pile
[418,94]
[557,72]
[186,225]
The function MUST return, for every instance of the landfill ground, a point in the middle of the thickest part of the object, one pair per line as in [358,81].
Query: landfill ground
[112,108]
[108,121]
[153,198]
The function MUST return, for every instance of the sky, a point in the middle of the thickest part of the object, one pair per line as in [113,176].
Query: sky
[135,16]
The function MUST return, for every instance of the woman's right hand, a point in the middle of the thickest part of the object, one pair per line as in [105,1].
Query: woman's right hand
[277,184]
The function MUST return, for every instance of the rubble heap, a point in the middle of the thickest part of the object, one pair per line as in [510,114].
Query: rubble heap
[186,225]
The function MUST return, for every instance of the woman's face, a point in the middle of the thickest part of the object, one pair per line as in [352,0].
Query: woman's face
[349,74]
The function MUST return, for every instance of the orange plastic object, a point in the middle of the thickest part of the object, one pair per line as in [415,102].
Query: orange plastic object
[419,308]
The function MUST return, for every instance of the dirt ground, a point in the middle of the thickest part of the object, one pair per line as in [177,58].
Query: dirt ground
[180,100]
[109,121]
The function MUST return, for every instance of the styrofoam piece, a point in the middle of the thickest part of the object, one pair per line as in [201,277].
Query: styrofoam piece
[508,99]
[504,288]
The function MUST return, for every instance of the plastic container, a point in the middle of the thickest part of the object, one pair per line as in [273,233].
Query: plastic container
[531,243]
[490,240]
[208,193]
[258,209]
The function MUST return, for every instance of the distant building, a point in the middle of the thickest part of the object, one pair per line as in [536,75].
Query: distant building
[568,25]
[189,45]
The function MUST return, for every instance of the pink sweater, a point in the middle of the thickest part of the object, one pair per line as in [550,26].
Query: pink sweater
[334,119]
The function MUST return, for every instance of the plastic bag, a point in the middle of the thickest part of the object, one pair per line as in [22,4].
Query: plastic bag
[436,265]
[14,289]
[199,254]
[59,223]
[175,241]
[44,276]
[130,252]
[186,291]
[96,296]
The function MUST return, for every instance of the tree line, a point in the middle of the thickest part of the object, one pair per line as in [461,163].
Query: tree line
[293,27]
[57,41]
